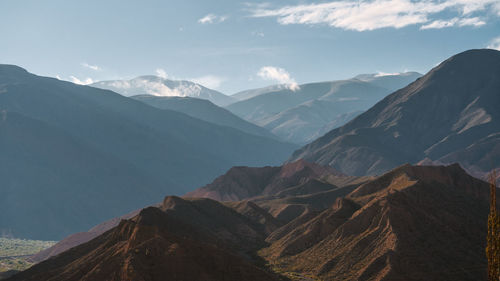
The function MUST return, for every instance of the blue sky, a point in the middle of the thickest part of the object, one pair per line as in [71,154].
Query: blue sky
[231,46]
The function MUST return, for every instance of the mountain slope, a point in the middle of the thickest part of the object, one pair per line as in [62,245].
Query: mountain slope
[204,110]
[82,137]
[247,94]
[241,183]
[413,223]
[300,116]
[157,86]
[46,174]
[159,243]
[450,114]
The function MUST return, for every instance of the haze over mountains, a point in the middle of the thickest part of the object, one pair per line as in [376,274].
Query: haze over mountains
[74,155]
[158,86]
[305,114]
[449,115]
[204,110]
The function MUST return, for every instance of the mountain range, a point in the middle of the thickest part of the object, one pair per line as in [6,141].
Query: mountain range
[449,115]
[396,193]
[412,223]
[302,115]
[204,110]
[73,156]
[158,86]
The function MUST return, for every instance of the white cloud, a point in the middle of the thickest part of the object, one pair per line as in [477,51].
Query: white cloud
[81,82]
[211,18]
[495,44]
[366,15]
[382,74]
[209,81]
[279,75]
[156,87]
[89,66]
[471,22]
[159,89]
[438,24]
[161,73]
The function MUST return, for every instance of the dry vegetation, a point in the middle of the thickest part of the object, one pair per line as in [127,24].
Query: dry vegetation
[14,253]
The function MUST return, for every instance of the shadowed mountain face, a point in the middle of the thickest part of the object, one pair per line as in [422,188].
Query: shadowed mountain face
[412,223]
[73,156]
[303,115]
[449,115]
[157,86]
[204,110]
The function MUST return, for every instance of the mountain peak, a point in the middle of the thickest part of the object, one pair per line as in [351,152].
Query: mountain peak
[10,70]
[448,115]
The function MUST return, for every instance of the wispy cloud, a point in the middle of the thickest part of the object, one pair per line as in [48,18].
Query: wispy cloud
[366,15]
[382,74]
[279,75]
[89,66]
[211,18]
[494,44]
[258,33]
[209,81]
[438,24]
[81,82]
[161,73]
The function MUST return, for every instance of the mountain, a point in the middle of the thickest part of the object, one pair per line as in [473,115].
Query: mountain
[182,240]
[247,94]
[157,86]
[73,156]
[449,115]
[301,116]
[413,223]
[393,81]
[310,120]
[286,191]
[241,183]
[78,238]
[204,110]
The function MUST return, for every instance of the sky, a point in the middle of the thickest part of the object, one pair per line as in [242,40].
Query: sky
[232,46]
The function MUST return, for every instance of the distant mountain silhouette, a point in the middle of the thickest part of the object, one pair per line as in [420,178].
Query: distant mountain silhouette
[204,110]
[247,94]
[303,115]
[449,115]
[154,85]
[73,156]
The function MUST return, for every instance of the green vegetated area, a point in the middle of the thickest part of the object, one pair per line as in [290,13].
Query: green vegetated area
[15,252]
